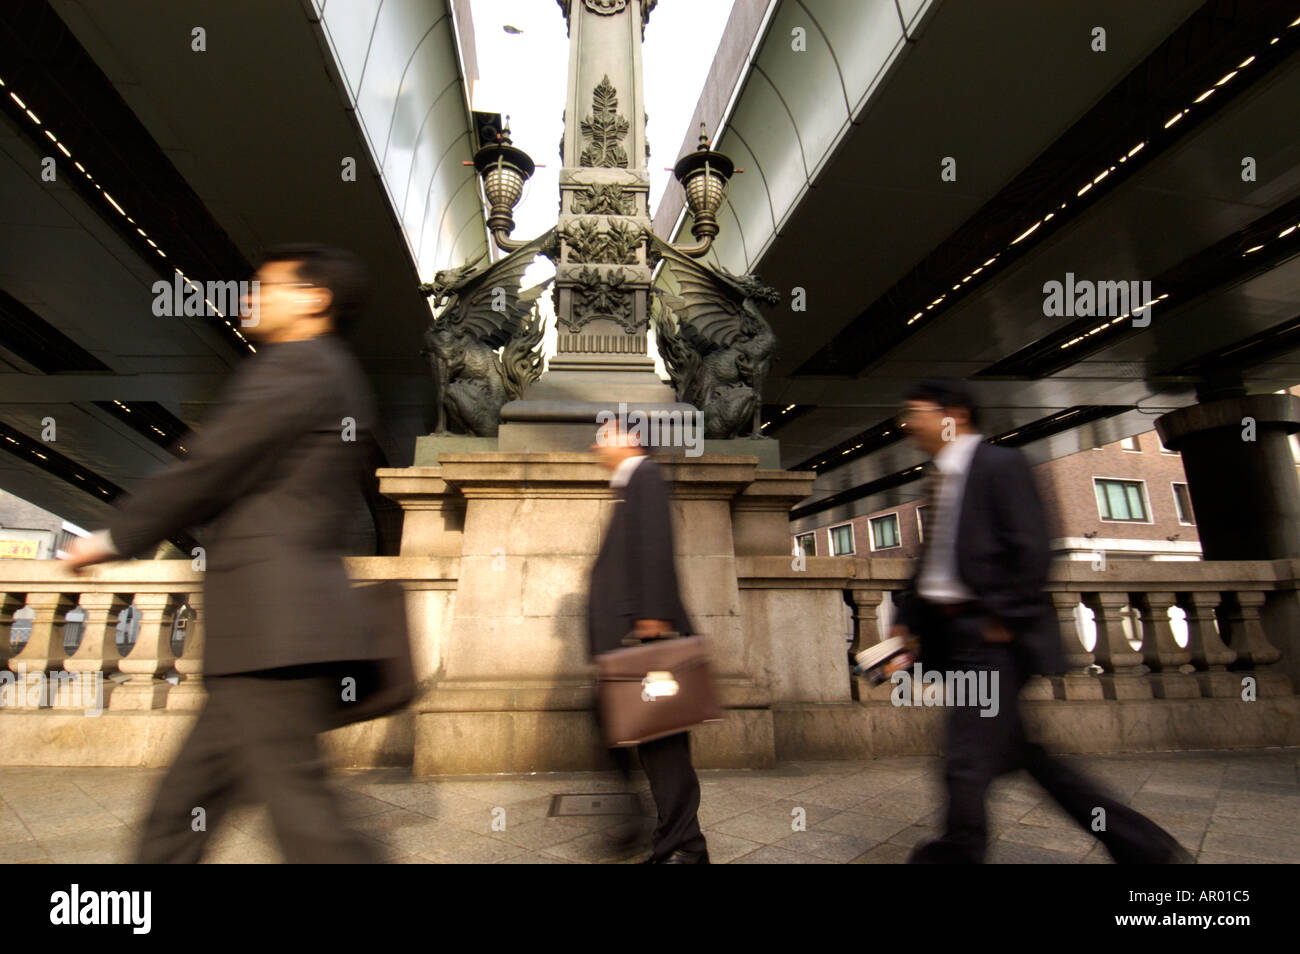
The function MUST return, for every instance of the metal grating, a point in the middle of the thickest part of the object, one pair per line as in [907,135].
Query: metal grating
[595,803]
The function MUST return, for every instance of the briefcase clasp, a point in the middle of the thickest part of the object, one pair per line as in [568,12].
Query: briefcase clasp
[658,684]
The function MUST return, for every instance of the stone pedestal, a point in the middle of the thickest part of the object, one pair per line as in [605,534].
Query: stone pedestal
[513,687]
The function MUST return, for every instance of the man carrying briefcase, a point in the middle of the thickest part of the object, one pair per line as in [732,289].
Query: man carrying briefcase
[634,593]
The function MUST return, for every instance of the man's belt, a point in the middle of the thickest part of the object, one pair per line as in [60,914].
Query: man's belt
[965,608]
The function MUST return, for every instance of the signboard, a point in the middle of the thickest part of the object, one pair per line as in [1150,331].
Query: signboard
[19,549]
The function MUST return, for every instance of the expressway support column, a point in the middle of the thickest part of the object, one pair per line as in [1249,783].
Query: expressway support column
[1245,492]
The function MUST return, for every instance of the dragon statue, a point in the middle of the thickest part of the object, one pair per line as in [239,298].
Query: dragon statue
[483,311]
[715,343]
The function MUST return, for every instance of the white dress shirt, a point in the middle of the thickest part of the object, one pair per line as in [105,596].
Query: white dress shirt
[938,580]
[623,472]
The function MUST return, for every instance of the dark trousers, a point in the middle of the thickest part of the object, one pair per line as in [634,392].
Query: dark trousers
[978,749]
[675,787]
[676,790]
[255,739]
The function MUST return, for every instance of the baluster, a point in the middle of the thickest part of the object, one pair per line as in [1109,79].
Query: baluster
[1120,679]
[865,603]
[866,617]
[151,658]
[98,650]
[1209,655]
[1077,682]
[1160,651]
[1246,637]
[10,603]
[43,651]
[189,693]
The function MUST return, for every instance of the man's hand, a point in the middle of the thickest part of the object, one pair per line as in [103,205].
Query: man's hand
[651,628]
[899,631]
[996,632]
[86,551]
[895,664]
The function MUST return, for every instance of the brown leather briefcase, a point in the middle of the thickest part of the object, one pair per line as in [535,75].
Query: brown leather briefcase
[655,689]
[385,683]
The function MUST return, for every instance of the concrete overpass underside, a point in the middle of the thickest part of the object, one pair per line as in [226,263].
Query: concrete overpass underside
[168,157]
[1119,165]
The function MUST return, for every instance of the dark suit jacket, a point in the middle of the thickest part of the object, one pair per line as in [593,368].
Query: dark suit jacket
[635,576]
[1003,552]
[276,485]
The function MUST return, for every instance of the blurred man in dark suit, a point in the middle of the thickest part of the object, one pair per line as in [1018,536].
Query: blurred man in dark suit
[275,476]
[977,605]
[634,594]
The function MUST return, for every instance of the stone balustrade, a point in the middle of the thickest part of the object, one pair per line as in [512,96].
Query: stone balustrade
[1226,611]
[1235,617]
[1179,646]
[135,636]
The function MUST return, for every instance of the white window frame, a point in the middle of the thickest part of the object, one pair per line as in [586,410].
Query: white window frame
[1163,448]
[1173,489]
[830,537]
[800,536]
[1146,500]
[1136,449]
[920,525]
[871,531]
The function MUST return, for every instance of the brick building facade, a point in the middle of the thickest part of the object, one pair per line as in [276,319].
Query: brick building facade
[1128,499]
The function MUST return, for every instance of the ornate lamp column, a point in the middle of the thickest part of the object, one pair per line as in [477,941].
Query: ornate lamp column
[603,259]
[482,345]
[518,498]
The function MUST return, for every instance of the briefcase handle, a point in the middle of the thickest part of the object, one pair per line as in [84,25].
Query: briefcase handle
[630,640]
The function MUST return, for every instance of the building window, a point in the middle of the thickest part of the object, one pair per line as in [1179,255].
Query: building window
[1130,444]
[842,540]
[1163,448]
[1120,500]
[884,532]
[63,540]
[180,628]
[20,630]
[73,623]
[1183,504]
[128,629]
[807,543]
[922,521]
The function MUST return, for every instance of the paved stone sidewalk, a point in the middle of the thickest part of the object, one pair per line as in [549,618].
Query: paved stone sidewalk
[1223,806]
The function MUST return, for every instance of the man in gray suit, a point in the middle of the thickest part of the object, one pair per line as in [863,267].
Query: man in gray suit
[275,476]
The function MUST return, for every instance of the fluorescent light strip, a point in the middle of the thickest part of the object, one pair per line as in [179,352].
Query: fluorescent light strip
[1087,186]
[113,202]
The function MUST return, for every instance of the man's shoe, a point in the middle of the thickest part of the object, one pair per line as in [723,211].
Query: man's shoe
[1179,855]
[680,857]
[938,851]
